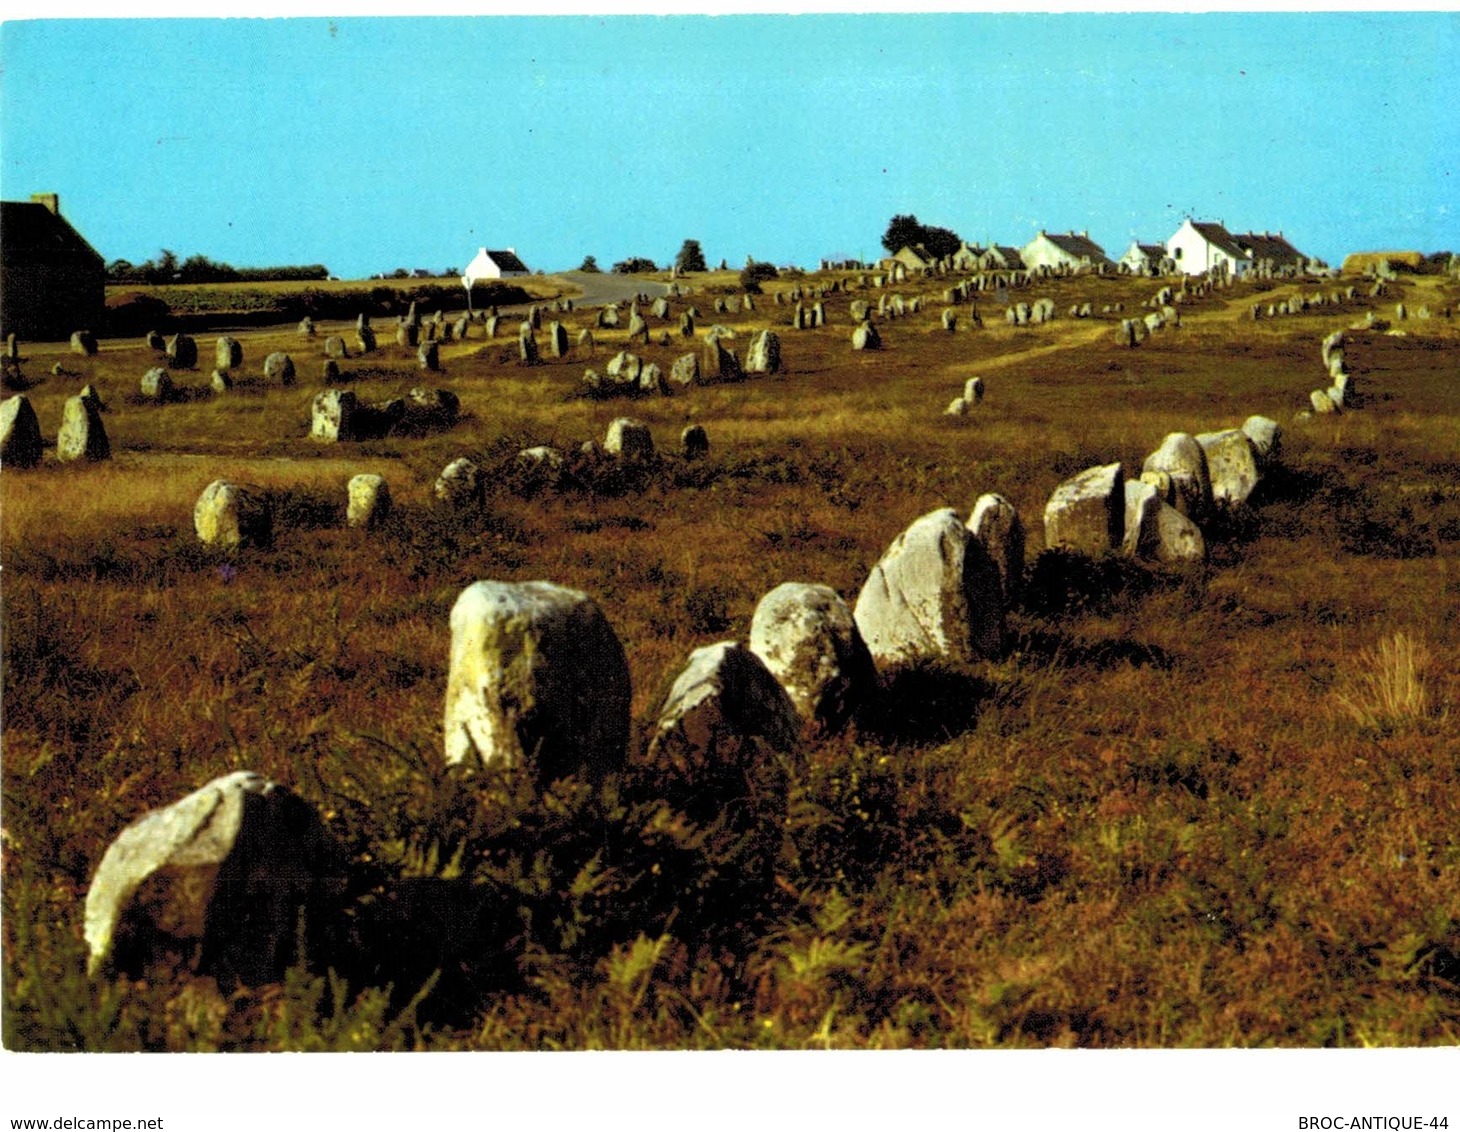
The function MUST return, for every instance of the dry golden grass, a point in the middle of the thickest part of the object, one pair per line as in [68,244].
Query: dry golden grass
[1152,823]
[1388,687]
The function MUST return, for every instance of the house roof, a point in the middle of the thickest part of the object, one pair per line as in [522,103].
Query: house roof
[1153,251]
[1081,247]
[1266,246]
[1219,238]
[32,231]
[507,261]
[1012,257]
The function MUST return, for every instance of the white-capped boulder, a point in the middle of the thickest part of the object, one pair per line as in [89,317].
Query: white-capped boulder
[723,698]
[230,514]
[806,636]
[219,881]
[538,679]
[1232,461]
[1182,458]
[82,435]
[629,440]
[369,500]
[935,595]
[20,433]
[1267,439]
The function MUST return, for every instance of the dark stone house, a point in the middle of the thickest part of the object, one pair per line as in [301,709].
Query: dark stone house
[52,282]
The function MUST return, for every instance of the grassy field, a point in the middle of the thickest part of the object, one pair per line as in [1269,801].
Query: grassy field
[1212,807]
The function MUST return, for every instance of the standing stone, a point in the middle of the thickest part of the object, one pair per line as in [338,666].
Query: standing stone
[432,408]
[686,370]
[489,326]
[233,514]
[157,384]
[527,345]
[957,407]
[1267,441]
[1323,401]
[629,440]
[652,380]
[1182,458]
[279,366]
[460,329]
[334,347]
[625,368]
[306,327]
[973,390]
[412,317]
[950,320]
[83,342]
[1086,513]
[660,309]
[557,340]
[1332,344]
[764,353]
[1142,513]
[719,363]
[694,442]
[460,483]
[723,698]
[365,340]
[687,325]
[638,329]
[408,335]
[228,353]
[154,341]
[537,679]
[225,880]
[935,595]
[608,316]
[182,352]
[428,357]
[332,415]
[996,524]
[20,433]
[1341,390]
[585,340]
[369,501]
[220,382]
[82,435]
[329,371]
[865,337]
[806,636]
[1178,540]
[1232,461]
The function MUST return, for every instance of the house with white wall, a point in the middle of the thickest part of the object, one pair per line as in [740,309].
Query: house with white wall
[493,265]
[1201,246]
[1146,259]
[1069,251]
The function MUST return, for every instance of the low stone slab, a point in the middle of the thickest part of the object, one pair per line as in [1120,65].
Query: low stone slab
[459,483]
[1086,513]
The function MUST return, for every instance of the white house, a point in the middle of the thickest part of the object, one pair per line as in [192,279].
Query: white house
[1146,259]
[1070,251]
[493,265]
[1201,246]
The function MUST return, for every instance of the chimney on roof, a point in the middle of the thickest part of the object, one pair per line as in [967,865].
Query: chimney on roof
[511,251]
[52,201]
[1085,233]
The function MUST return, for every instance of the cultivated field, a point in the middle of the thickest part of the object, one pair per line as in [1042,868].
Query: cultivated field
[1206,807]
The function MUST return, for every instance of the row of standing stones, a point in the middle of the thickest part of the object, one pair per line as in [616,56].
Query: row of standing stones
[230,868]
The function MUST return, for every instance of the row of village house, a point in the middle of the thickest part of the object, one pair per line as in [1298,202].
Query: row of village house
[1197,247]
[52,277]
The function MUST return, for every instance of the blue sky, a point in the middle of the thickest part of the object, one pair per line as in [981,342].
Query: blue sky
[374,143]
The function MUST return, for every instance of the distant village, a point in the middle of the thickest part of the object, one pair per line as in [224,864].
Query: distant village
[54,280]
[1196,248]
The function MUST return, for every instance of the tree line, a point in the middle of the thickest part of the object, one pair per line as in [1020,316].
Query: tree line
[166,267]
